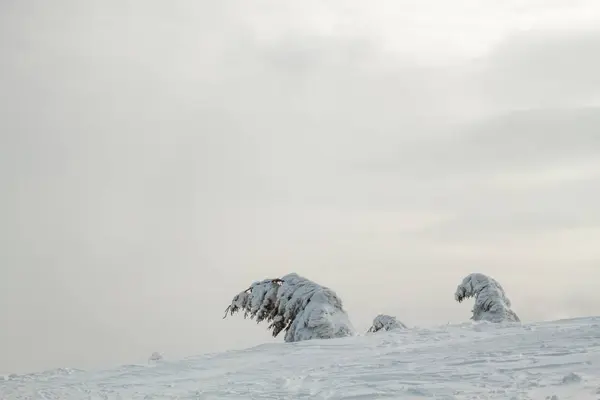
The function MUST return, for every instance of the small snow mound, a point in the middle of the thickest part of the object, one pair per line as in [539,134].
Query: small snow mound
[571,378]
[386,323]
[156,356]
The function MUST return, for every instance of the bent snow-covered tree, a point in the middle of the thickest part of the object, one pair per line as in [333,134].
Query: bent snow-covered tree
[296,305]
[385,323]
[491,303]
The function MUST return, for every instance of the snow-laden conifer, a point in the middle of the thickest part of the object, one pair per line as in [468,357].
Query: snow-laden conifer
[385,323]
[491,303]
[303,309]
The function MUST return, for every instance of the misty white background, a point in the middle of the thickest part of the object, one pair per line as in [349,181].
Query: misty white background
[157,157]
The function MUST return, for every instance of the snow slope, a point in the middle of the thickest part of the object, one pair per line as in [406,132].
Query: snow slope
[468,361]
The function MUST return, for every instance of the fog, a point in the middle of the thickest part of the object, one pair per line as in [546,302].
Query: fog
[158,157]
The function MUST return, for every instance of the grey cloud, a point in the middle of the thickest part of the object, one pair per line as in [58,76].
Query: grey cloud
[509,141]
[460,174]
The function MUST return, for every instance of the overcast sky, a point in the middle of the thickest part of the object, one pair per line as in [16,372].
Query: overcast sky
[157,157]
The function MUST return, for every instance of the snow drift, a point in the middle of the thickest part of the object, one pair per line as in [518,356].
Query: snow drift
[304,309]
[548,360]
[385,323]
[491,303]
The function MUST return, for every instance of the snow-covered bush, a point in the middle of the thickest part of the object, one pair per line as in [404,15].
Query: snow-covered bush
[386,323]
[304,309]
[491,303]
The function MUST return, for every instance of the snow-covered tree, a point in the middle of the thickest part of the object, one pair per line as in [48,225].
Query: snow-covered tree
[491,303]
[386,323]
[304,309]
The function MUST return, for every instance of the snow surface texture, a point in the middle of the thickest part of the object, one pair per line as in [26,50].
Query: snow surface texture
[304,309]
[491,303]
[384,322]
[474,360]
